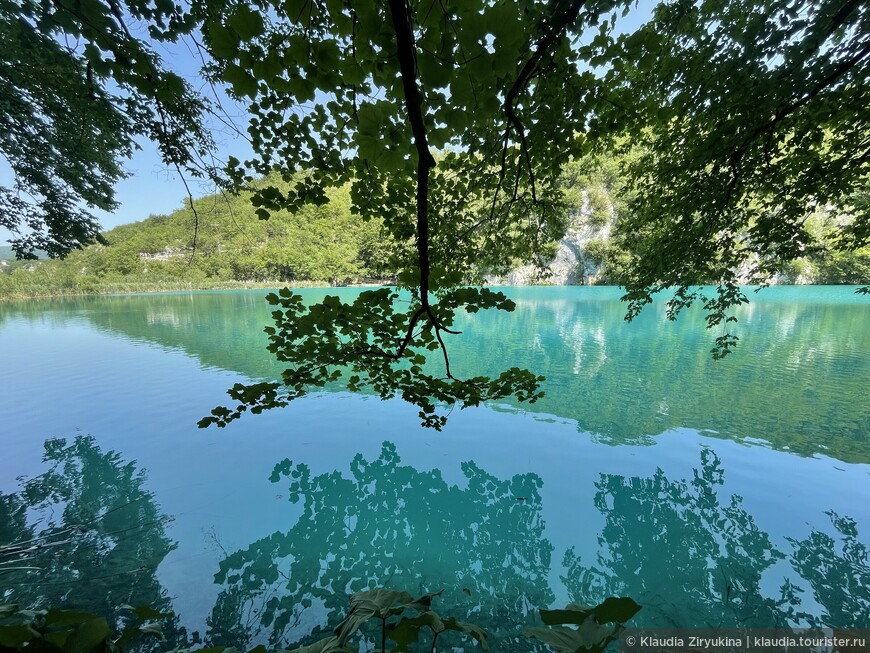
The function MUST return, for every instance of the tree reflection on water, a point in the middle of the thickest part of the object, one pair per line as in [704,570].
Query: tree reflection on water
[389,524]
[690,556]
[693,559]
[87,534]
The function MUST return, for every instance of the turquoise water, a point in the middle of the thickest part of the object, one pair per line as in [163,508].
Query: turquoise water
[714,493]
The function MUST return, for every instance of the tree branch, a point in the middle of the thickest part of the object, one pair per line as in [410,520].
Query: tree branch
[785,111]
[552,31]
[401,16]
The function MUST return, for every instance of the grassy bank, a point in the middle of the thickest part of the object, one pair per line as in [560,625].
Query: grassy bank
[118,287]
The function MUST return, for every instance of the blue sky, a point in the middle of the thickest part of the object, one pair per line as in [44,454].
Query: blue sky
[152,188]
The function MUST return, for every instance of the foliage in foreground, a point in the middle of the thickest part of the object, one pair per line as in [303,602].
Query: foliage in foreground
[751,118]
[735,150]
[79,91]
[75,631]
[365,339]
[407,623]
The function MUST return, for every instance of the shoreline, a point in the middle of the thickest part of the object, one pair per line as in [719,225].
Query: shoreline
[120,289]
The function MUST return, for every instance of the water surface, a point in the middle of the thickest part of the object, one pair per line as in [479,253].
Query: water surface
[714,493]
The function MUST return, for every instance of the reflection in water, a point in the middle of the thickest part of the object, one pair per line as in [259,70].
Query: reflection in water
[838,572]
[85,534]
[689,556]
[676,548]
[693,559]
[389,524]
[795,381]
[686,550]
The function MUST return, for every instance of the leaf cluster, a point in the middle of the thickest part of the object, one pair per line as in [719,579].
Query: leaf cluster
[451,122]
[74,631]
[597,626]
[71,631]
[78,89]
[750,117]
[384,605]
[370,343]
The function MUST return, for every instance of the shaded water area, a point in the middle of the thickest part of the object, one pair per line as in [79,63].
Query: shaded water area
[715,493]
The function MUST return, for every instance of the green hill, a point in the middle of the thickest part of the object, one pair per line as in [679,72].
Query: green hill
[221,244]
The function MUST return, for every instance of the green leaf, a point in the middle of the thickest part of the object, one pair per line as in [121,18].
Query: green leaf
[16,635]
[404,632]
[591,637]
[352,72]
[170,88]
[617,610]
[243,82]
[88,636]
[57,617]
[57,638]
[572,614]
[561,638]
[378,603]
[224,42]
[598,625]
[611,610]
[246,22]
[434,73]
[477,633]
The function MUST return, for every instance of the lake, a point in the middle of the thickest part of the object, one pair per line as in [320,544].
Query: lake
[714,493]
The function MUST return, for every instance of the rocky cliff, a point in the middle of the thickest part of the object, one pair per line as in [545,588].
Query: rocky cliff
[574,263]
[581,254]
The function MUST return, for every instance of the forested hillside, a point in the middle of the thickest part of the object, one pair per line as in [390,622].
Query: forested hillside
[223,244]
